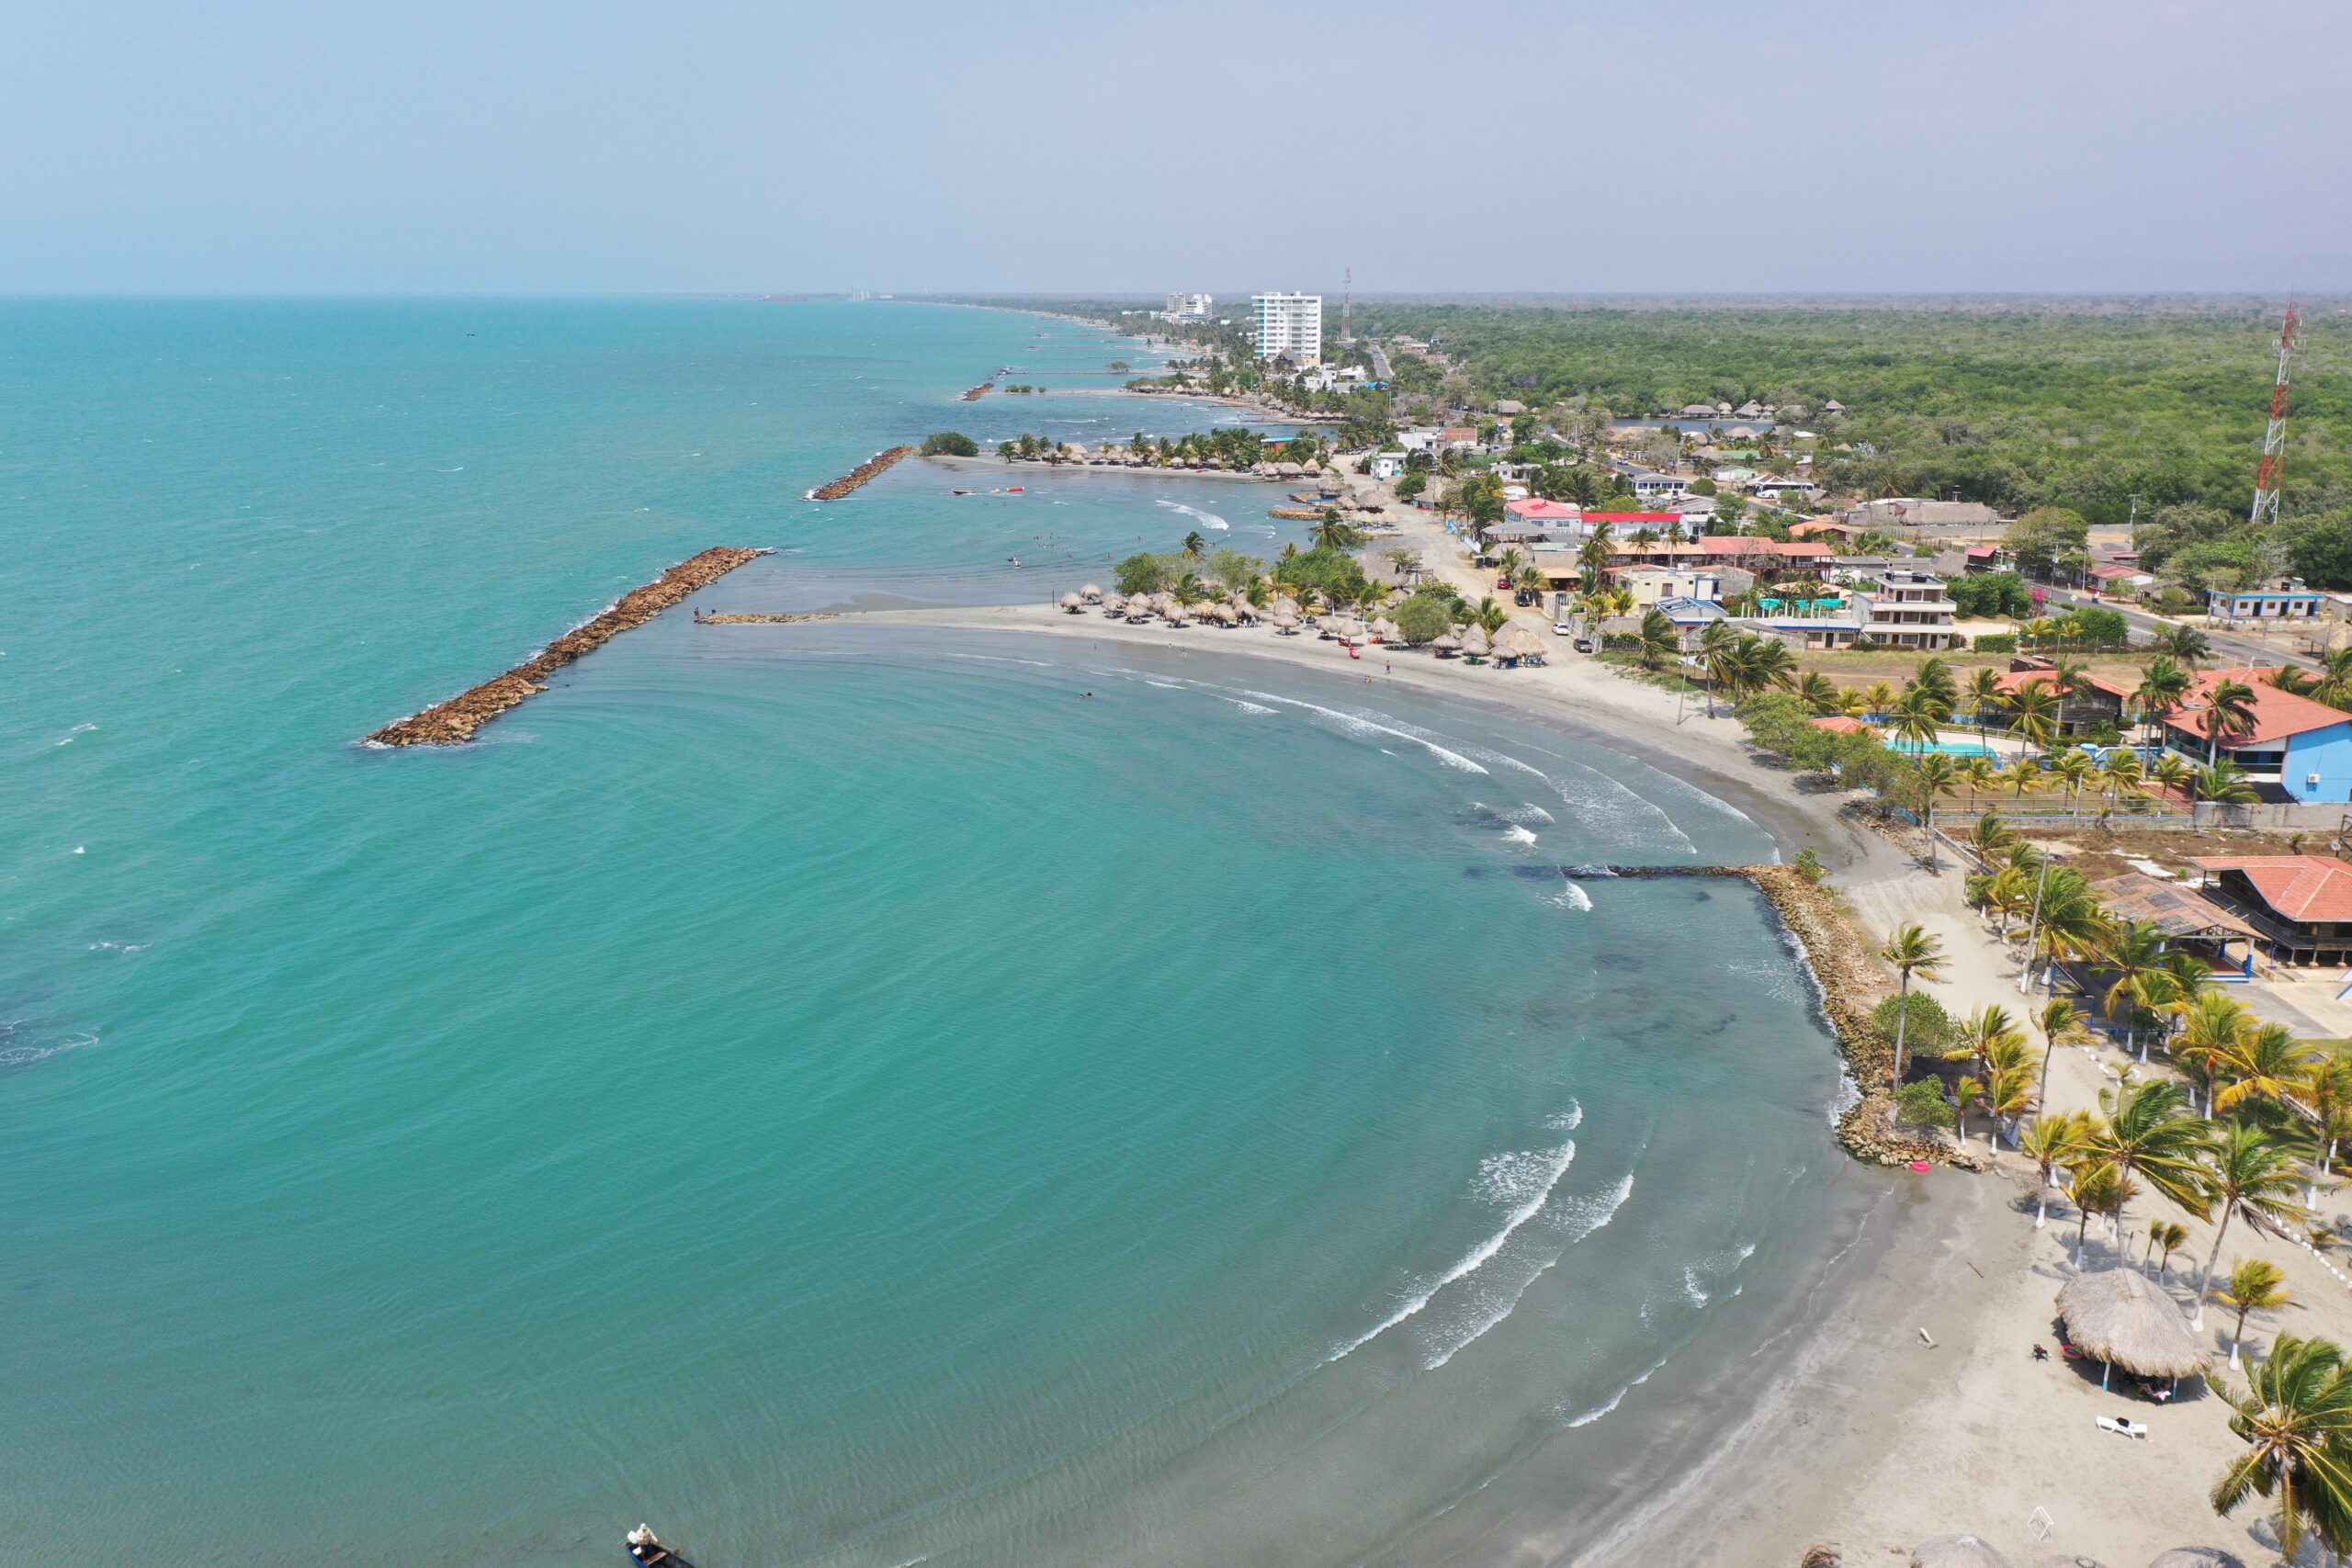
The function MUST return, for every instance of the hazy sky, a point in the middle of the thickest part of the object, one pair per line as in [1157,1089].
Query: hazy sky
[484,146]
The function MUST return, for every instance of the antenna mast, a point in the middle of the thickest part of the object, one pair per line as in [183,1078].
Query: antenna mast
[2274,442]
[1348,306]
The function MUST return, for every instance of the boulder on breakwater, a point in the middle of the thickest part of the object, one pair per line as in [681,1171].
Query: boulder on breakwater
[1852,984]
[862,474]
[453,723]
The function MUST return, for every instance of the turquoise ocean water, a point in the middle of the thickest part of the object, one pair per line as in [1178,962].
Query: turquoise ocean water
[829,1090]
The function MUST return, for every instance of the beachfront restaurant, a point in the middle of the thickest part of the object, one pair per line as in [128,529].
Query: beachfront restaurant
[2188,920]
[2301,906]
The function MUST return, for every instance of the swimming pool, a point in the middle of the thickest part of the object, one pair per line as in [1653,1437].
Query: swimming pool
[1948,748]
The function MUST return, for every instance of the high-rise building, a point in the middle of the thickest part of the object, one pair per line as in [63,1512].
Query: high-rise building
[1290,326]
[1189,307]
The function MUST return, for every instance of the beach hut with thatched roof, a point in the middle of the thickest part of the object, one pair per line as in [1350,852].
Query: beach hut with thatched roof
[1516,645]
[1446,645]
[1141,608]
[1475,644]
[1114,605]
[1090,593]
[1958,1551]
[1284,604]
[1226,615]
[1384,629]
[1073,603]
[1245,610]
[1285,624]
[2121,1319]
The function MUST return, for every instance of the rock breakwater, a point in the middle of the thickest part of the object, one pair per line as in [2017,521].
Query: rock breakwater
[453,723]
[865,473]
[982,391]
[1852,984]
[763,618]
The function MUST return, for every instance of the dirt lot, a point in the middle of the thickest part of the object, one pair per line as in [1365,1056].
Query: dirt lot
[2102,853]
[1862,668]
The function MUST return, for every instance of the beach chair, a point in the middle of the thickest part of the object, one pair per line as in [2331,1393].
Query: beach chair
[2121,1429]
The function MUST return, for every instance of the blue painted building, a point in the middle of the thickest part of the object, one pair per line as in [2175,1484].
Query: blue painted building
[2298,748]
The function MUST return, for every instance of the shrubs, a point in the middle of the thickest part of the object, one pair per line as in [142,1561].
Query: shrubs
[1930,1032]
[950,444]
[1923,1104]
[1809,865]
[1997,642]
[1423,618]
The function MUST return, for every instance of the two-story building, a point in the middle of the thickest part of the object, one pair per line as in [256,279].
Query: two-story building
[2296,748]
[1556,519]
[2084,706]
[1648,486]
[2300,905]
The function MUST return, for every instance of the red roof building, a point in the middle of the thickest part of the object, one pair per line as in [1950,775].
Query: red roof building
[2302,905]
[2277,714]
[1545,513]
[1839,724]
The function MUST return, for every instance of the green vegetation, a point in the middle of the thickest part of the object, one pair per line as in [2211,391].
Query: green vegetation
[1927,1029]
[1923,1104]
[1988,594]
[950,444]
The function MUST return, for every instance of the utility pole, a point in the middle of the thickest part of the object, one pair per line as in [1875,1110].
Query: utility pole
[2274,441]
[1347,307]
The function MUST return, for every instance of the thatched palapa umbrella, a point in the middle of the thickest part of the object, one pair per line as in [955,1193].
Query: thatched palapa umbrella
[1518,642]
[1286,624]
[1073,603]
[2118,1316]
[1090,593]
[1446,645]
[1226,615]
[1114,605]
[1475,644]
[1385,629]
[1958,1551]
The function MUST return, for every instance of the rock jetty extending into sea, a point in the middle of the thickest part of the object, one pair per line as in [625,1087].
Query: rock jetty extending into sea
[982,391]
[453,723]
[1852,985]
[764,618]
[861,474]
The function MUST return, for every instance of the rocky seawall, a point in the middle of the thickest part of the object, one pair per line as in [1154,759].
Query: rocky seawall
[763,618]
[453,723]
[982,391]
[864,473]
[1852,983]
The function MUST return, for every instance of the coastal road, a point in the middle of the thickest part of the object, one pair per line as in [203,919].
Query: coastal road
[2230,645]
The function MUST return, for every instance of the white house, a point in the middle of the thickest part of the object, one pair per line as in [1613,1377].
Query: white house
[1654,487]
[1388,464]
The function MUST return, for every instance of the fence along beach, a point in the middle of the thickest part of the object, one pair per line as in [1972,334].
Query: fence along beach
[453,723]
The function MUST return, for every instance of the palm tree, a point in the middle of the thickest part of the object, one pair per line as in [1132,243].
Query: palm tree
[1879,698]
[2229,710]
[2162,685]
[1968,1094]
[2333,686]
[2184,643]
[2022,775]
[1532,581]
[1915,719]
[2226,783]
[1720,655]
[1511,560]
[2147,1134]
[2075,768]
[2009,1096]
[2034,713]
[1936,774]
[2171,770]
[2210,1025]
[2291,680]
[1989,835]
[1595,555]
[2122,773]
[1490,616]
[2171,1236]
[2050,1142]
[1656,637]
[2135,954]
[1770,663]
[2255,1285]
[1195,548]
[2268,1063]
[1912,950]
[1935,679]
[2295,1419]
[2058,1022]
[2095,1187]
[1817,693]
[2250,1171]
[1983,695]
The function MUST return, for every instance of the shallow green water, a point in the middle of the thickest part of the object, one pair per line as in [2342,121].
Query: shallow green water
[838,1093]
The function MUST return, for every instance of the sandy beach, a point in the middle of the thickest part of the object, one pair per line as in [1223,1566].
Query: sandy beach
[1909,1403]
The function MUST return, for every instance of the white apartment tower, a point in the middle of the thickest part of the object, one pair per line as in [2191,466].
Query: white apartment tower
[1189,307]
[1290,326]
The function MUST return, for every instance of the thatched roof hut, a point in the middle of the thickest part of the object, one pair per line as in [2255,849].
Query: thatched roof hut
[1141,608]
[1958,1551]
[1475,644]
[2122,1319]
[1073,603]
[1226,615]
[1245,610]
[1446,645]
[1385,629]
[1286,624]
[1284,604]
[1518,642]
[1090,593]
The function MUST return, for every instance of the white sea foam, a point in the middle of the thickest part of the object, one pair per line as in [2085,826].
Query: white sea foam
[1568,1121]
[1529,811]
[1586,1215]
[1248,707]
[1206,519]
[1571,897]
[1363,728]
[1518,835]
[1557,1167]
[25,1055]
[1597,1411]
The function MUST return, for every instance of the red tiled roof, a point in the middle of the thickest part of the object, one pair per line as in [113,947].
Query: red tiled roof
[1983,552]
[2013,679]
[2110,573]
[1804,550]
[1820,526]
[1838,722]
[2301,888]
[1632,519]
[1538,507]
[1457,432]
[1756,545]
[2276,714]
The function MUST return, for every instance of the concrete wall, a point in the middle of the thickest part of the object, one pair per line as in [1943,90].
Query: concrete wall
[2309,816]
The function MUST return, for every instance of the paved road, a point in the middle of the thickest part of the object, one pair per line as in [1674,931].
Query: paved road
[2243,650]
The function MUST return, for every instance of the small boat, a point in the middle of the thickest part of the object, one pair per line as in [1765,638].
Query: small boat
[645,1547]
[1014,489]
[959,492]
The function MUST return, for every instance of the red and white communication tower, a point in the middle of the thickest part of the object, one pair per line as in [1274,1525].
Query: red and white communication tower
[2274,443]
